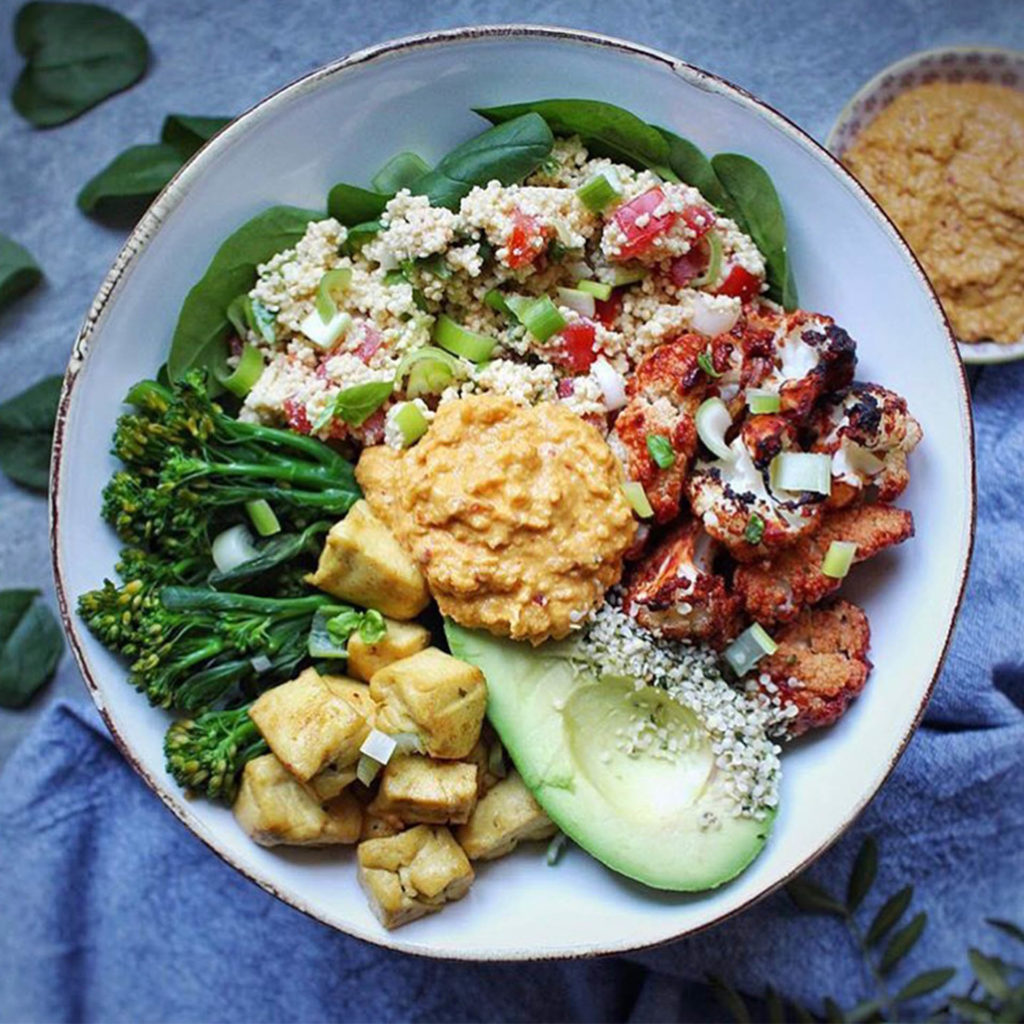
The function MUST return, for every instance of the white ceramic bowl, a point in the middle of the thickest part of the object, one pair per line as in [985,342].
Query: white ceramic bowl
[946,64]
[849,261]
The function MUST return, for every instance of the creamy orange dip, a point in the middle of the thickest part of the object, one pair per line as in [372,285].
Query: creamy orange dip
[946,161]
[514,514]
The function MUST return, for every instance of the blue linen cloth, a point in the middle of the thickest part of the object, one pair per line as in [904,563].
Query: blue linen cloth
[111,911]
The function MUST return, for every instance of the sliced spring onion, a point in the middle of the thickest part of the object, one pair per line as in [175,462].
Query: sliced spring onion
[430,370]
[714,267]
[622,276]
[367,769]
[462,342]
[242,379]
[637,498]
[233,547]
[260,664]
[411,422]
[660,449]
[863,461]
[378,745]
[802,471]
[497,302]
[760,402]
[331,283]
[601,290]
[322,643]
[839,558]
[539,316]
[707,364]
[713,422]
[748,649]
[263,517]
[556,848]
[611,382]
[325,335]
[600,191]
[576,298]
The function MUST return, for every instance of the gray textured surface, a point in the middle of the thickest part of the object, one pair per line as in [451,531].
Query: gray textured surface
[802,56]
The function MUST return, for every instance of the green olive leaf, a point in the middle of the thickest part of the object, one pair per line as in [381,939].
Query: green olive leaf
[902,942]
[76,55]
[862,877]
[401,171]
[1007,928]
[202,329]
[31,644]
[813,899]
[26,433]
[889,915]
[922,984]
[19,272]
[990,972]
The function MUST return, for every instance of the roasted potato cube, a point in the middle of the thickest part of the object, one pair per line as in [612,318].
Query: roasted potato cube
[434,697]
[420,789]
[402,640]
[413,873]
[274,807]
[505,817]
[363,562]
[310,723]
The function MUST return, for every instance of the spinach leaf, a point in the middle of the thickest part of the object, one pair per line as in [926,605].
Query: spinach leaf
[351,204]
[76,56]
[359,235]
[399,172]
[26,433]
[507,152]
[606,129]
[200,335]
[187,132]
[31,644]
[355,405]
[751,189]
[692,166]
[19,273]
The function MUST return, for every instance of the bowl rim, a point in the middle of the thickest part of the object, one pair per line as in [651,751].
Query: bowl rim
[170,198]
[977,353]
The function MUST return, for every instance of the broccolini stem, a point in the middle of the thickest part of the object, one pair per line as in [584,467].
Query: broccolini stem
[202,598]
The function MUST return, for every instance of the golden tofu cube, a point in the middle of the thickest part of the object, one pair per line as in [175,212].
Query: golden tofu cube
[274,807]
[356,692]
[331,781]
[505,817]
[311,722]
[401,640]
[420,789]
[377,827]
[488,755]
[434,697]
[413,873]
[363,562]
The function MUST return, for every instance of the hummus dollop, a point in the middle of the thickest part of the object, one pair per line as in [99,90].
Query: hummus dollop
[514,514]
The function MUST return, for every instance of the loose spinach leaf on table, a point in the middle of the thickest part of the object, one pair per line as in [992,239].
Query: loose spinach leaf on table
[31,644]
[76,56]
[353,205]
[754,195]
[187,132]
[606,129]
[26,433]
[399,172]
[200,337]
[19,272]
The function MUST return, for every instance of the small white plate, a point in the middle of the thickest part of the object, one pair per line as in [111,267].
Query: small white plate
[947,64]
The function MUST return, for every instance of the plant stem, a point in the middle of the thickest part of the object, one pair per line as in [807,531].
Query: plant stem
[881,988]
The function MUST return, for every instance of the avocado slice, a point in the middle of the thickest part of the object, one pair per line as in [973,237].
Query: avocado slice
[641,815]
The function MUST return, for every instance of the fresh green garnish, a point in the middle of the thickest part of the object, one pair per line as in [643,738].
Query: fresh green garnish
[763,402]
[838,559]
[402,171]
[748,649]
[31,645]
[263,519]
[26,432]
[430,370]
[351,205]
[599,192]
[355,405]
[661,451]
[497,302]
[331,284]
[712,270]
[599,289]
[754,530]
[19,272]
[802,471]
[539,316]
[411,422]
[373,628]
[637,498]
[461,341]
[622,276]
[705,362]
[359,235]
[243,377]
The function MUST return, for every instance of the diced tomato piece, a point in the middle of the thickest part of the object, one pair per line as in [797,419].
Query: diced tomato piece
[698,218]
[372,340]
[639,236]
[525,241]
[295,413]
[607,310]
[566,387]
[372,430]
[740,283]
[685,268]
[578,344]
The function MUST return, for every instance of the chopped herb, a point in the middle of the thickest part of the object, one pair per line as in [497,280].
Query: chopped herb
[755,529]
[660,449]
[705,362]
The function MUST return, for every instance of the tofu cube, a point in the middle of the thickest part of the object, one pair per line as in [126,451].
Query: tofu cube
[312,722]
[413,873]
[331,781]
[356,692]
[377,827]
[402,640]
[419,789]
[363,562]
[505,817]
[489,758]
[275,808]
[434,697]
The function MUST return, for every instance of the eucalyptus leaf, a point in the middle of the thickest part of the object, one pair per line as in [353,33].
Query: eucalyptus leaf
[813,899]
[140,172]
[1007,928]
[969,1010]
[31,644]
[19,272]
[889,915]
[606,129]
[902,943]
[862,877]
[691,165]
[730,999]
[990,972]
[401,171]
[864,1010]
[201,332]
[76,55]
[751,190]
[927,981]
[352,205]
[26,433]
[187,133]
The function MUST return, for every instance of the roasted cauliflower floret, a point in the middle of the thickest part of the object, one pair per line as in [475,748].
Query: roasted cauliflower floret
[506,816]
[362,562]
[869,433]
[274,807]
[401,640]
[674,592]
[820,665]
[776,591]
[313,721]
[419,789]
[434,698]
[413,873]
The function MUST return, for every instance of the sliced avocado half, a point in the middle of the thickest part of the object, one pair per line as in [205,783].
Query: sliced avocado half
[644,816]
